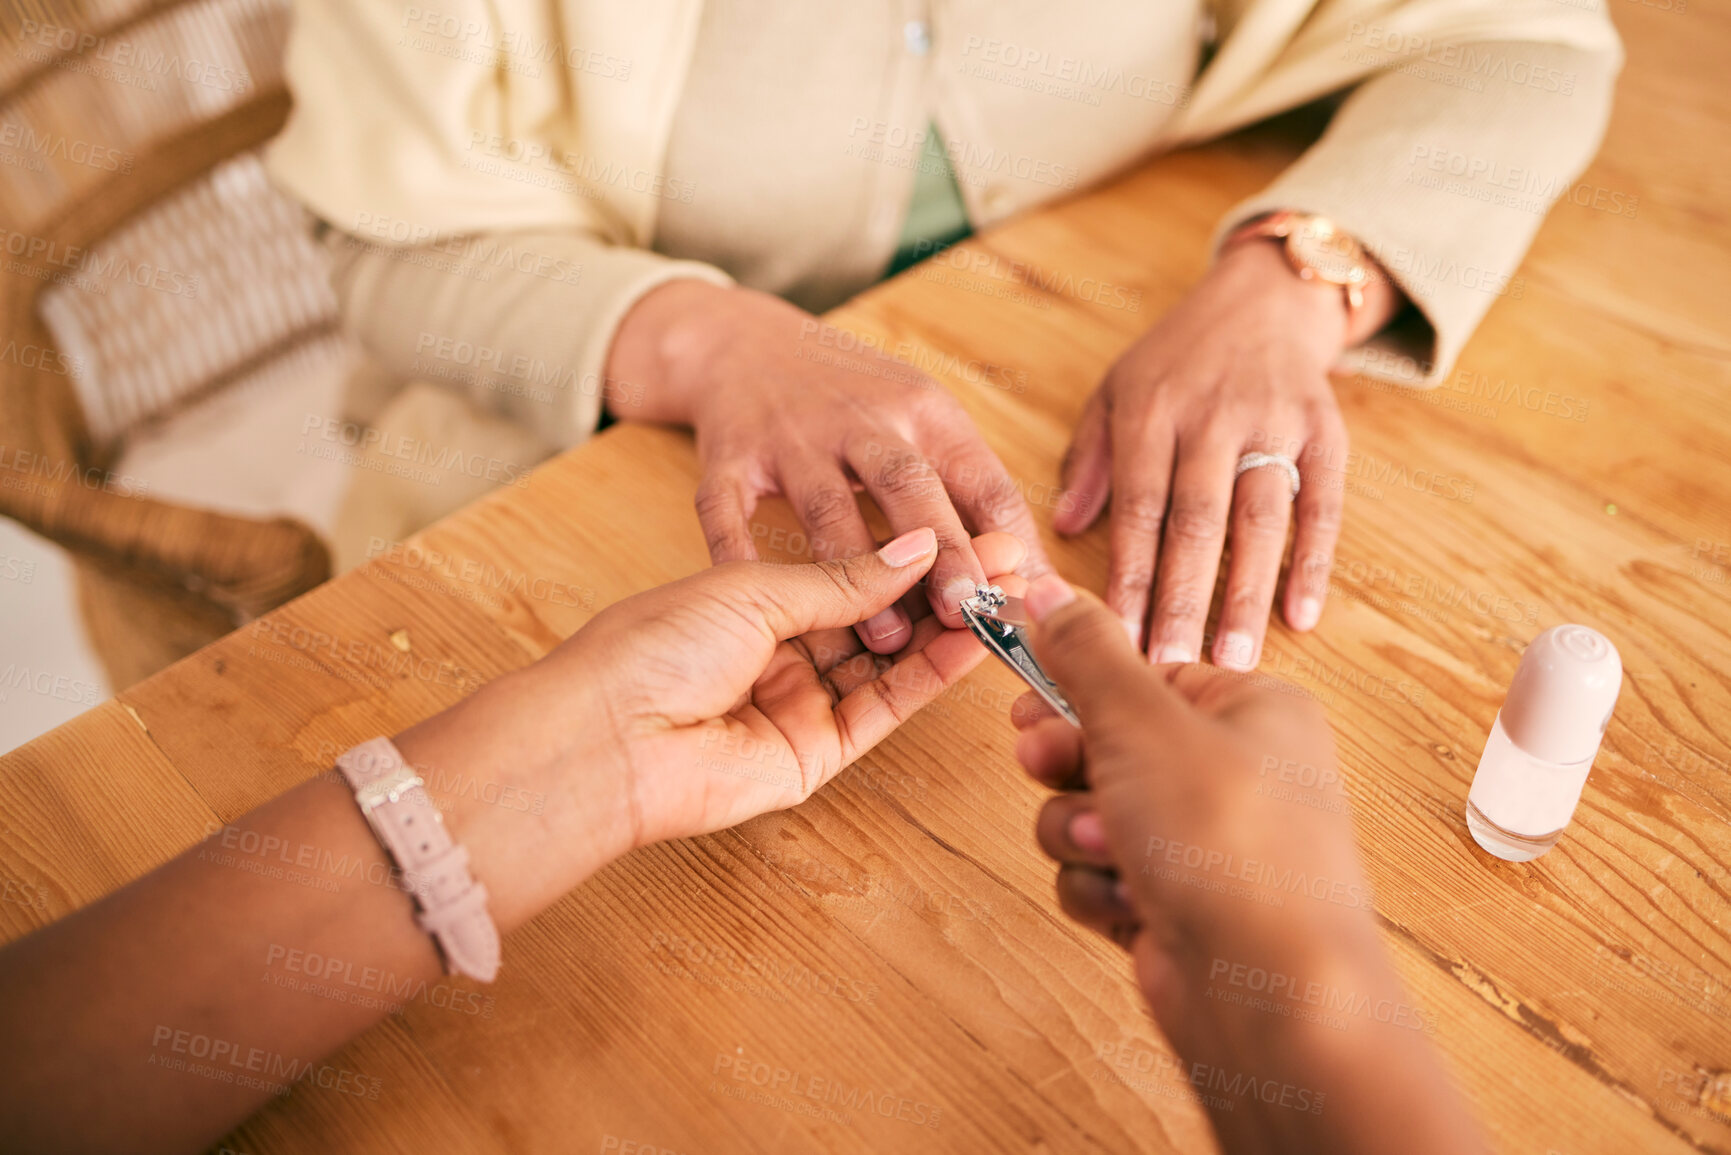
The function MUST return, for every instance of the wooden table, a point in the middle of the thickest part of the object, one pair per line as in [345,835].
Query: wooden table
[897,934]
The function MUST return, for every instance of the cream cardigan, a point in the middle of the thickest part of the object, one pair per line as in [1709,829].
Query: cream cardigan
[413,124]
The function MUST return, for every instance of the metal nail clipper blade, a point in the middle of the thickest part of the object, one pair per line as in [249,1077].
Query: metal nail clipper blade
[1001,623]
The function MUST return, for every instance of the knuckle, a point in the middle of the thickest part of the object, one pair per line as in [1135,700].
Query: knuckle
[1324,416]
[842,576]
[714,497]
[1247,603]
[1181,605]
[1321,516]
[1262,515]
[904,469]
[828,509]
[1311,569]
[1141,512]
[932,406]
[1195,521]
[1128,583]
[997,499]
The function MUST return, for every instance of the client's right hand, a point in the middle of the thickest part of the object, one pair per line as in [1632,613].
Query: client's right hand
[778,409]
[692,707]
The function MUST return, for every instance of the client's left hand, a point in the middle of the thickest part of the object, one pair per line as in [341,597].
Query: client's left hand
[1239,366]
[692,707]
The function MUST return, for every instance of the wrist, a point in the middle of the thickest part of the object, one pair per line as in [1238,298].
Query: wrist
[1263,260]
[514,770]
[663,344]
[1256,271]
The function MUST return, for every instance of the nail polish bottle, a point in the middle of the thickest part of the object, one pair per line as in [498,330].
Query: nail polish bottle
[1543,742]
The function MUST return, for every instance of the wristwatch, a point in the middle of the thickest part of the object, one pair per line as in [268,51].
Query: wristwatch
[1316,249]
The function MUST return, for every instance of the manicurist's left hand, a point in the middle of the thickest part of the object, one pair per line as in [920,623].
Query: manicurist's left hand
[693,707]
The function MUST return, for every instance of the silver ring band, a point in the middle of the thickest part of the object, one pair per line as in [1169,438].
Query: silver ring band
[1258,460]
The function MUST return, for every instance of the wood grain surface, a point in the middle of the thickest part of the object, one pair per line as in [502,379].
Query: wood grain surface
[897,937]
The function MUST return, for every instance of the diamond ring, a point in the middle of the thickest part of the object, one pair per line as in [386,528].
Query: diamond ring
[1258,460]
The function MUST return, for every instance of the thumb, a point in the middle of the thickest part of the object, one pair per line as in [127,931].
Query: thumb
[795,599]
[1083,646]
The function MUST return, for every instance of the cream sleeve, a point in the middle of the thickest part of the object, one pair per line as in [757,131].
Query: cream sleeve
[519,322]
[476,244]
[1444,169]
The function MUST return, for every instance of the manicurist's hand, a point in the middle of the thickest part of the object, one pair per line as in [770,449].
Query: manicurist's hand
[778,410]
[1201,822]
[681,710]
[1239,366]
[693,707]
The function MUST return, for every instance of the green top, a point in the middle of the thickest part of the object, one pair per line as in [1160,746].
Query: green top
[936,218]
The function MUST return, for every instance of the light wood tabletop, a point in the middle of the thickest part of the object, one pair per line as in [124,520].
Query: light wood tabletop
[897,935]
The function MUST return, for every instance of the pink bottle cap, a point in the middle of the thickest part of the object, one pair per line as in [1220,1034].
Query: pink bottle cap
[1561,699]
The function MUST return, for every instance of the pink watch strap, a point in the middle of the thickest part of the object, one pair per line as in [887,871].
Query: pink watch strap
[452,906]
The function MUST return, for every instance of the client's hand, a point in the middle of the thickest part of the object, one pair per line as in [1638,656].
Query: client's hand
[1239,366]
[693,707]
[778,409]
[1203,825]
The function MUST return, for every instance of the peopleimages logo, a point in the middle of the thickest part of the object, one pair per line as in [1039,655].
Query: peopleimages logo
[60,687]
[410,450]
[226,1061]
[1274,880]
[800,1089]
[1468,61]
[35,37]
[54,146]
[366,986]
[1276,987]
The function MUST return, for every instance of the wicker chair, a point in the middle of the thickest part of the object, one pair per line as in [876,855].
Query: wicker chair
[106,108]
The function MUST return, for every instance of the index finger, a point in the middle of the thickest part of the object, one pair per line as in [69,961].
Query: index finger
[990,500]
[910,492]
[1084,648]
[725,499]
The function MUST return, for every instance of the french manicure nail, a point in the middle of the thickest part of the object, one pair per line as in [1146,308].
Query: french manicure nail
[1236,651]
[1172,652]
[908,548]
[1134,629]
[1047,594]
[1306,614]
[1088,833]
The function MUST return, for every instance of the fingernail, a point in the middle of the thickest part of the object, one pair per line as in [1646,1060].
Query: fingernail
[1236,651]
[1074,508]
[1307,613]
[909,547]
[1047,594]
[1172,652]
[1134,629]
[956,591]
[1088,833]
[883,625]
[1121,892]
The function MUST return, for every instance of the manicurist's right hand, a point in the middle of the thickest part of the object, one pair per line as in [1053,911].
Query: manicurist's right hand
[1201,822]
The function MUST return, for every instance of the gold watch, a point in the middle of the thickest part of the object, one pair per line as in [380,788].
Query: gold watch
[1316,249]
